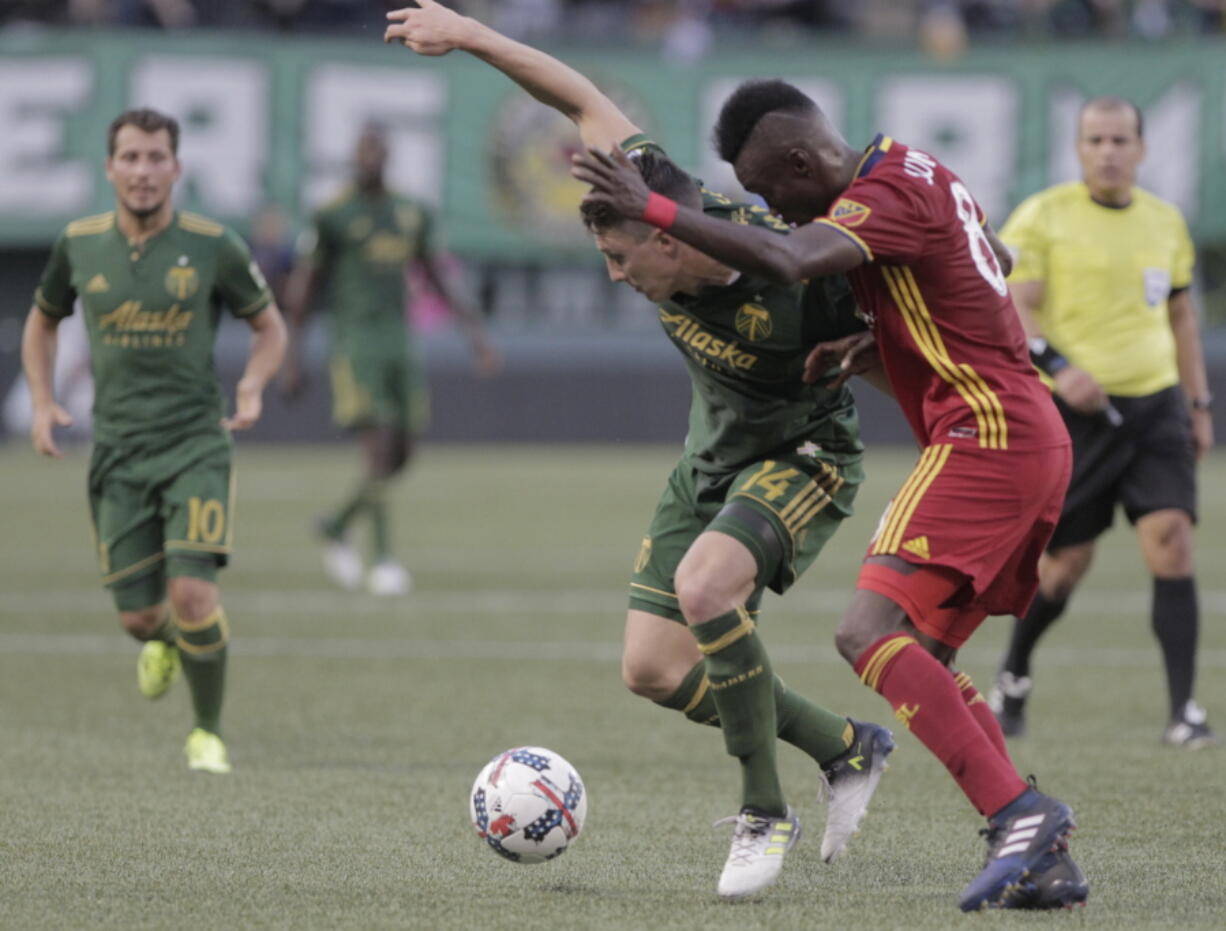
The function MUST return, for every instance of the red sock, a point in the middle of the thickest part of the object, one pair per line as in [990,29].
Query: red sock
[926,700]
[979,709]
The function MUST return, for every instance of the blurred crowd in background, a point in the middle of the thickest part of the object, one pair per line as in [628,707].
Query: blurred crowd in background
[688,27]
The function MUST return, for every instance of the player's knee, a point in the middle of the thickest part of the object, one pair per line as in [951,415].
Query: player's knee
[1061,572]
[192,599]
[645,678]
[850,640]
[707,590]
[145,623]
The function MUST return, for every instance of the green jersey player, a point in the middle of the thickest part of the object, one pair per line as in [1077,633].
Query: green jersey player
[363,243]
[770,469]
[151,283]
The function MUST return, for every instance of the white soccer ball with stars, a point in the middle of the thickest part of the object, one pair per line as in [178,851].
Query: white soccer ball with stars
[528,804]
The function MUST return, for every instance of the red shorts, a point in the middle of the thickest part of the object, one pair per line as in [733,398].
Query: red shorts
[985,514]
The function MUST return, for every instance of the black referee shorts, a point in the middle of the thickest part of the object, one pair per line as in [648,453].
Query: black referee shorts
[1146,464]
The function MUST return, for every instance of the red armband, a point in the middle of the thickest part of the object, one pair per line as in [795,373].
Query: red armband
[660,211]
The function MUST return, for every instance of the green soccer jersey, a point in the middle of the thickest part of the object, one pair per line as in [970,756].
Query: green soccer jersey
[364,244]
[745,344]
[151,312]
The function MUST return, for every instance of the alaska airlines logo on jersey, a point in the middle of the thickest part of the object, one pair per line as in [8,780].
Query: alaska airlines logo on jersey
[129,327]
[704,346]
[849,212]
[182,282]
[387,249]
[753,321]
[98,284]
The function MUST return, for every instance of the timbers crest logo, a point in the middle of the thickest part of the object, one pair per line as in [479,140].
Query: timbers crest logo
[182,281]
[753,321]
[849,212]
[532,191]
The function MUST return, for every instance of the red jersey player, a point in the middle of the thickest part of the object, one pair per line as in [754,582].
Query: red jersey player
[962,537]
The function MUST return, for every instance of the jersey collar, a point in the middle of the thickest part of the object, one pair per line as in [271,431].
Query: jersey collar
[875,152]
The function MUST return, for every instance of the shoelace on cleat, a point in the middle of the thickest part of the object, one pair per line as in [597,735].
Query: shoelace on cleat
[745,836]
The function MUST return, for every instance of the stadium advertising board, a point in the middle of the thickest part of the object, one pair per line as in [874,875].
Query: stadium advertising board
[271,120]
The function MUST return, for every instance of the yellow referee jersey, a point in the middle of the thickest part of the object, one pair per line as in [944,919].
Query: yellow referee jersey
[1107,274]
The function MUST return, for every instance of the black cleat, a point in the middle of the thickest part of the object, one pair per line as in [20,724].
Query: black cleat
[1056,882]
[1008,702]
[1189,729]
[1020,837]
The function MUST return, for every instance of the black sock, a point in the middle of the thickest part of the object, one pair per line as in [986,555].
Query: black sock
[1027,631]
[1176,620]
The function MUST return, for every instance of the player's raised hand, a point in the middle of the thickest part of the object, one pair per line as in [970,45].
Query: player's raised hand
[248,405]
[614,180]
[46,418]
[854,355]
[428,29]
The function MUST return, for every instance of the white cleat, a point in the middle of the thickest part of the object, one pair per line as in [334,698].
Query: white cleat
[758,847]
[389,578]
[850,781]
[343,565]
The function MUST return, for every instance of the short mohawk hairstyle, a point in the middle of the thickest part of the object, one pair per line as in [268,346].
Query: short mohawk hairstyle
[662,175]
[745,108]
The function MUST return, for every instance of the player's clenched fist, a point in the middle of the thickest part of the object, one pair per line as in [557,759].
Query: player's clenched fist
[430,30]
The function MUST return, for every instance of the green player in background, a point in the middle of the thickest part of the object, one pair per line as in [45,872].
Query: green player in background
[363,243]
[151,283]
[770,469]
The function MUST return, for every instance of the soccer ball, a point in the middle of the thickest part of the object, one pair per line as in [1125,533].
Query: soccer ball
[528,804]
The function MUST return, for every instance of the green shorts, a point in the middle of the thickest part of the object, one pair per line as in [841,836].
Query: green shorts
[800,499]
[160,514]
[378,389]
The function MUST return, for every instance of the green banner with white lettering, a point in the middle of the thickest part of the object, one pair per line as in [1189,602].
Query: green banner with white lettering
[267,119]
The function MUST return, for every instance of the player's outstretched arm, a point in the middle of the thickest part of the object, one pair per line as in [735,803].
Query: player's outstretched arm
[809,252]
[38,364]
[435,30]
[268,342]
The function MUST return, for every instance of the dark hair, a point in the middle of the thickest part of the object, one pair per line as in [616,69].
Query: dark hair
[745,108]
[146,120]
[661,175]
[1112,103]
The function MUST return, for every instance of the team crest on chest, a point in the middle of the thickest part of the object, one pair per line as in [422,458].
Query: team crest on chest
[849,212]
[753,321]
[182,281]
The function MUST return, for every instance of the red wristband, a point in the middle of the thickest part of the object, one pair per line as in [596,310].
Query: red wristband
[660,211]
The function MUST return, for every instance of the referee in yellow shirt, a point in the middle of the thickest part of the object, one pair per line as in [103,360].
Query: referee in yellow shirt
[1101,281]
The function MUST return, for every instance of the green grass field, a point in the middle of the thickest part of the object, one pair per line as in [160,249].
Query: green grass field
[357,724]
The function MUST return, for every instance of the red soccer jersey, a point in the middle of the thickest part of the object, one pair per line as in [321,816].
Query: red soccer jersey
[932,289]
